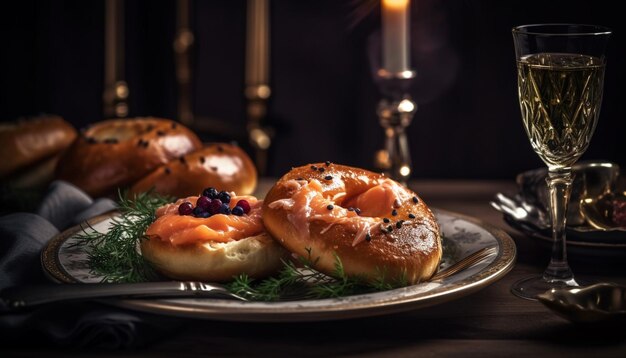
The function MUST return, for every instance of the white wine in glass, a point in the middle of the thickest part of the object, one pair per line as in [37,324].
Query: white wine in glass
[560,70]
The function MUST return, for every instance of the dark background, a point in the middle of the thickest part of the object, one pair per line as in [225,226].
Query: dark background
[323,96]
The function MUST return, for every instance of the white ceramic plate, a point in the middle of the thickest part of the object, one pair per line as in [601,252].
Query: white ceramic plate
[65,263]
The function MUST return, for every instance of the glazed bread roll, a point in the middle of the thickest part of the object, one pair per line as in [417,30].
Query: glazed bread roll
[116,153]
[219,165]
[379,229]
[28,141]
[212,247]
[256,256]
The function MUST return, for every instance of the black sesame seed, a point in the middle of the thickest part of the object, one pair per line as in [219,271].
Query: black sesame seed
[183,160]
[399,224]
[386,221]
[368,237]
[330,207]
[313,167]
[357,211]
[394,212]
[327,163]
[389,228]
[328,177]
[321,170]
[140,142]
[167,170]
[202,160]
[411,216]
[160,133]
[350,209]
[214,169]
[415,200]
[149,127]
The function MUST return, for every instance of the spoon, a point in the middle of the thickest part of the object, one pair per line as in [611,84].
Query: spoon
[599,211]
[596,303]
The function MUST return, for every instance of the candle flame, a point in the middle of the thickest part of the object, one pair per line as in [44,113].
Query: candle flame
[396,4]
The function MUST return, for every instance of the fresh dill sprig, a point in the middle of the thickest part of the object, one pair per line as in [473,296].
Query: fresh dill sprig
[306,282]
[113,254]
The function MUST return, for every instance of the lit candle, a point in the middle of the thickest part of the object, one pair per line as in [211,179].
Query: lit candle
[395,35]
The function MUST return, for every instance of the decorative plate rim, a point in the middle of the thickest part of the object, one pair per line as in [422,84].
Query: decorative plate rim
[327,309]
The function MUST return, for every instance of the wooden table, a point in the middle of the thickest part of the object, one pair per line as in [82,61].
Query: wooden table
[491,322]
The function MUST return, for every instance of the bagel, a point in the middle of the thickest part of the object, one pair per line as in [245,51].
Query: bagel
[219,165]
[216,248]
[378,229]
[29,141]
[116,153]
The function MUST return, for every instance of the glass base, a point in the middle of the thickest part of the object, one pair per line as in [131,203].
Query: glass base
[529,288]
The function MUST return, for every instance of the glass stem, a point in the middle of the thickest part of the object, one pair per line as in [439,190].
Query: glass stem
[559,185]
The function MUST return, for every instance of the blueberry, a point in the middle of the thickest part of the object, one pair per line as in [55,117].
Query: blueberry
[224,209]
[210,193]
[238,210]
[224,197]
[204,214]
[198,211]
[204,203]
[185,208]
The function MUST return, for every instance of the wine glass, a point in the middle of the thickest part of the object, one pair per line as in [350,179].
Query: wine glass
[560,73]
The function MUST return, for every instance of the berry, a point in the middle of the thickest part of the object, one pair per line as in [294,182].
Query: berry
[197,211]
[214,207]
[245,205]
[204,215]
[185,208]
[203,202]
[237,210]
[224,209]
[210,193]
[224,197]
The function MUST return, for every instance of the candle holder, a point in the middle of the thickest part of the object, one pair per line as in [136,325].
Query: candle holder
[395,113]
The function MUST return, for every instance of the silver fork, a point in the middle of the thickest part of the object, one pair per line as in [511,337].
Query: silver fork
[465,263]
[22,297]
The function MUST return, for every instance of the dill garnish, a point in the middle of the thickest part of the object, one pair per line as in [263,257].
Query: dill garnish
[305,282]
[113,254]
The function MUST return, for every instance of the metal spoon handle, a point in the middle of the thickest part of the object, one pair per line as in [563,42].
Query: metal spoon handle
[19,297]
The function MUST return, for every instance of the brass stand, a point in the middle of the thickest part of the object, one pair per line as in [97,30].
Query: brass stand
[395,113]
[115,96]
[258,91]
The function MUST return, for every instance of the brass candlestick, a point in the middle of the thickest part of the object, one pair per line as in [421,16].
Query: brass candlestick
[115,95]
[395,113]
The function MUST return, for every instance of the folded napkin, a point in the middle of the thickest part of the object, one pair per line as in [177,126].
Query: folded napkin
[22,237]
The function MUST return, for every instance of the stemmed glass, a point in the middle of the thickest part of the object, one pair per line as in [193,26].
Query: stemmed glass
[560,73]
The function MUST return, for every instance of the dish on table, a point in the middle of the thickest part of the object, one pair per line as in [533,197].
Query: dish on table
[67,263]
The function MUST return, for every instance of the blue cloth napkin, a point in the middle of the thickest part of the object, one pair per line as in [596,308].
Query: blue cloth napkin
[22,237]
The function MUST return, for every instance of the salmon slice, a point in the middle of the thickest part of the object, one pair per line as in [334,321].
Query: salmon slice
[185,229]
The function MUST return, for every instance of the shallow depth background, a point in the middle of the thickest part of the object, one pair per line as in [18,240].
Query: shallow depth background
[323,104]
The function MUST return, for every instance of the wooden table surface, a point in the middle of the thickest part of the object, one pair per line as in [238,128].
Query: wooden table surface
[491,322]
